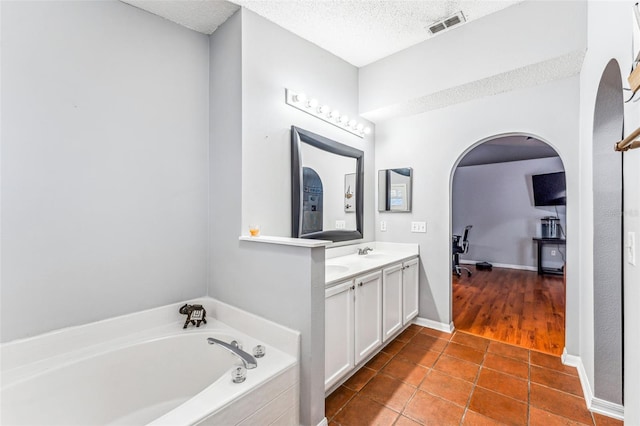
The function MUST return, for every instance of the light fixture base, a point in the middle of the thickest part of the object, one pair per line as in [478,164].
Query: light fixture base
[324,113]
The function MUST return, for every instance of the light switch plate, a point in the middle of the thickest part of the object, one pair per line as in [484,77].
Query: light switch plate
[341,224]
[419,227]
[631,247]
[383,225]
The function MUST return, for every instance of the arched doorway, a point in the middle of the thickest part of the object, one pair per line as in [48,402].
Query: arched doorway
[519,301]
[607,236]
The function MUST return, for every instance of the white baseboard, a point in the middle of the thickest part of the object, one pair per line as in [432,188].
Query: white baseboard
[324,422]
[607,408]
[502,265]
[594,404]
[440,326]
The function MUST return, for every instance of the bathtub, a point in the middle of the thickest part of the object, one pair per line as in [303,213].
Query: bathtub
[118,372]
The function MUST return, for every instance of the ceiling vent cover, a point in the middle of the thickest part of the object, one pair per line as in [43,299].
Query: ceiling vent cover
[447,23]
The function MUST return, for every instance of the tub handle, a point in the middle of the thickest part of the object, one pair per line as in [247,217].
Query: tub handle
[247,359]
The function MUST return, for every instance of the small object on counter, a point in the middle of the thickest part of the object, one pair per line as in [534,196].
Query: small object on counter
[254,230]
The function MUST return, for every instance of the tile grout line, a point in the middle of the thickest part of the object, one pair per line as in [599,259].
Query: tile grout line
[475,384]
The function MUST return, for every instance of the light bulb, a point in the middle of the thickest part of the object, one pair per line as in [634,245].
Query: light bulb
[344,119]
[367,130]
[324,109]
[353,123]
[360,127]
[300,97]
[335,114]
[313,102]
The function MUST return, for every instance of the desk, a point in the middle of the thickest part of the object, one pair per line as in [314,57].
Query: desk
[541,242]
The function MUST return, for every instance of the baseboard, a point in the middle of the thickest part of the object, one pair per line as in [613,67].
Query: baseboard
[440,326]
[594,404]
[502,265]
[607,408]
[324,422]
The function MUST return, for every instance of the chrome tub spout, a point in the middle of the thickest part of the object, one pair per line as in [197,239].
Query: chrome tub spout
[247,359]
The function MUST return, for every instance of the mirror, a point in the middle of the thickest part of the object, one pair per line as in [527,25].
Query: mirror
[394,190]
[326,188]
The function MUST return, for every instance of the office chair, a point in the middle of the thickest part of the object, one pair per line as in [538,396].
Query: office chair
[460,246]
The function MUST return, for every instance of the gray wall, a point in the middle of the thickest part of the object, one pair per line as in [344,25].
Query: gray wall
[104,163]
[607,231]
[497,199]
[249,148]
[274,59]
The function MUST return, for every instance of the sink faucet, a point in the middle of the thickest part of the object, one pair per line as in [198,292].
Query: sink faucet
[363,251]
[247,359]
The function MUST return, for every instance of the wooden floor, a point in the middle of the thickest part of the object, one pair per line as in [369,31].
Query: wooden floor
[512,306]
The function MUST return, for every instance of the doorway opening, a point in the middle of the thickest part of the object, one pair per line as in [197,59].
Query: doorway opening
[511,190]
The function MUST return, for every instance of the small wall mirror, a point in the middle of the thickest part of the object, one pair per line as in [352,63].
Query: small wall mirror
[394,190]
[326,183]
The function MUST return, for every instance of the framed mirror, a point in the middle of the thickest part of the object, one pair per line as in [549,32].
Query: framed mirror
[394,190]
[326,188]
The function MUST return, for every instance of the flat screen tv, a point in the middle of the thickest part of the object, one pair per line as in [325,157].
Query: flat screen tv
[549,189]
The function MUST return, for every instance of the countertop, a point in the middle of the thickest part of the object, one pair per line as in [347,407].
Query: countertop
[341,268]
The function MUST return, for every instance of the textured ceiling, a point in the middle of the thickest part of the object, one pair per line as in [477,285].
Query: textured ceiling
[507,148]
[203,16]
[360,32]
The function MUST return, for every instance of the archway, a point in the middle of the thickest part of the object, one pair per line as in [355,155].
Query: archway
[520,301]
[607,236]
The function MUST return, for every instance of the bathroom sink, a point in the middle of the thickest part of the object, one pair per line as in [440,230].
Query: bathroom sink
[375,256]
[335,269]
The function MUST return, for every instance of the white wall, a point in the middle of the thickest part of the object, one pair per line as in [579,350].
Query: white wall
[252,62]
[274,59]
[497,199]
[568,126]
[609,36]
[104,163]
[526,44]
[433,142]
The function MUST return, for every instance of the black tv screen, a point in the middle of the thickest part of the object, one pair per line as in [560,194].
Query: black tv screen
[549,189]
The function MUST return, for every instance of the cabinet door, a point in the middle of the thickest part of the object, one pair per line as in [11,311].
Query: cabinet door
[338,332]
[368,314]
[410,286]
[391,300]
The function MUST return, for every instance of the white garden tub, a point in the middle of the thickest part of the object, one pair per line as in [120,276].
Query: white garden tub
[116,372]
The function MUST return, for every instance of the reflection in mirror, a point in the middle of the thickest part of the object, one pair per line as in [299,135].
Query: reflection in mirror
[394,190]
[311,201]
[349,193]
[326,188]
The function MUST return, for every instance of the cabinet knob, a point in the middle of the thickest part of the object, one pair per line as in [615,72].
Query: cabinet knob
[359,284]
[353,287]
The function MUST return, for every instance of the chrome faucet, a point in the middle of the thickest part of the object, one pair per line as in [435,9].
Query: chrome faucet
[363,251]
[247,359]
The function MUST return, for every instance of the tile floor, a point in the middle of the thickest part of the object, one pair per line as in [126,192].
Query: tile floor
[426,377]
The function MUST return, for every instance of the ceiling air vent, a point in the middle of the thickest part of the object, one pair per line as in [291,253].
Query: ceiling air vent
[447,23]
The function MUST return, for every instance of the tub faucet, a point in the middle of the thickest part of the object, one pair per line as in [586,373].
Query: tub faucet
[363,251]
[247,359]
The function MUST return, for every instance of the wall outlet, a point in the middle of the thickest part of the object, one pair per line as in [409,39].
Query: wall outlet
[418,226]
[631,247]
[553,252]
[341,224]
[383,225]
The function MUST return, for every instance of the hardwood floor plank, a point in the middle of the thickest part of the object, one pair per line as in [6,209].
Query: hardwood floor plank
[512,306]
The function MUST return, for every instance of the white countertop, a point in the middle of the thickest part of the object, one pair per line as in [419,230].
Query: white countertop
[341,268]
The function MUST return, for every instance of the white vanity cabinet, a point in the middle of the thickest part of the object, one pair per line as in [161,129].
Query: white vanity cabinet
[399,296]
[368,314]
[352,320]
[368,301]
[392,317]
[338,331]
[410,284]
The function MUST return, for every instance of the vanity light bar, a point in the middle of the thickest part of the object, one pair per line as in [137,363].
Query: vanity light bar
[312,106]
